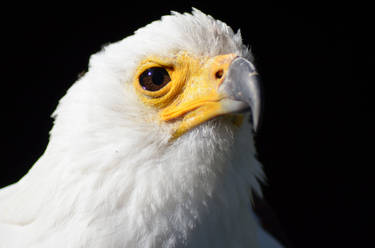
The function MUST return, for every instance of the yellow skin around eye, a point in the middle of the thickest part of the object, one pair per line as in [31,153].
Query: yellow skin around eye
[191,97]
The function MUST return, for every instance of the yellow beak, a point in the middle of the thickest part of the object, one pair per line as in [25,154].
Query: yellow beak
[200,99]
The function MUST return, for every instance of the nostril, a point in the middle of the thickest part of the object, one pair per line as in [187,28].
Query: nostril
[219,74]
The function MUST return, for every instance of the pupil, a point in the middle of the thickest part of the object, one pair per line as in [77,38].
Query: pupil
[157,75]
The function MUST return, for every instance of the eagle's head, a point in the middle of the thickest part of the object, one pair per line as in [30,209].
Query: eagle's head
[156,133]
[184,77]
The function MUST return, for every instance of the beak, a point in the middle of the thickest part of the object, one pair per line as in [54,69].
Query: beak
[242,90]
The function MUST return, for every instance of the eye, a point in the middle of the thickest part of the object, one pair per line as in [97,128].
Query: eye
[154,78]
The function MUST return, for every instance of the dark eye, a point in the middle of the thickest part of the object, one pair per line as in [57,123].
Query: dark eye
[154,78]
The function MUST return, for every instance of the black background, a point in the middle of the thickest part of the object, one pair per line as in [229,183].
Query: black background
[314,58]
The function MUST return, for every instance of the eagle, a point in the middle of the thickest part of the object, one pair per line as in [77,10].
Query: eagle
[152,147]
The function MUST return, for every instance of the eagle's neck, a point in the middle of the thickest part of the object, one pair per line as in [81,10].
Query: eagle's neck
[194,192]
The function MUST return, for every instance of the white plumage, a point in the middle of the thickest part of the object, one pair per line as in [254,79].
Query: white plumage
[112,177]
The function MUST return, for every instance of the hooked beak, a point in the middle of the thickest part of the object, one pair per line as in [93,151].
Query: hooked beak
[241,89]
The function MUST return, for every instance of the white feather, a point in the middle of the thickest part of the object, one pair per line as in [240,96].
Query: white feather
[110,177]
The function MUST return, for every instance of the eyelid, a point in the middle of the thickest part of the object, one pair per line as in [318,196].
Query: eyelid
[156,62]
[165,95]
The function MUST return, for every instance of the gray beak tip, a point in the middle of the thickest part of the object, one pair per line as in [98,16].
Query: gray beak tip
[242,84]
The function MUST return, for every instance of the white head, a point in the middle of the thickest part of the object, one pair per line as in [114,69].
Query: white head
[104,104]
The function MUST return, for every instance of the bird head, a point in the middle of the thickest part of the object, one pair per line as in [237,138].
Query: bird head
[185,79]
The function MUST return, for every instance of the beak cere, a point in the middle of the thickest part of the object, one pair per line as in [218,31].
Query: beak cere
[242,90]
